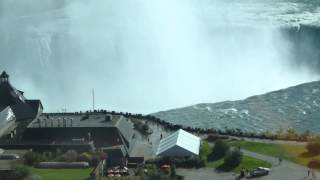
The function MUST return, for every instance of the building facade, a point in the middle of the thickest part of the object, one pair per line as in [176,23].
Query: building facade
[22,108]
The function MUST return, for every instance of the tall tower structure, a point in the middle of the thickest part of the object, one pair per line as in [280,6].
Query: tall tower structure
[93,100]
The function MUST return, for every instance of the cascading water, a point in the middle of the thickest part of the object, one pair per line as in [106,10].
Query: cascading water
[145,56]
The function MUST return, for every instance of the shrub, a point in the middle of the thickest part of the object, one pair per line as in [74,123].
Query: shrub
[32,158]
[313,148]
[103,155]
[145,127]
[315,164]
[219,150]
[153,173]
[141,127]
[29,158]
[48,155]
[305,136]
[86,157]
[181,162]
[94,160]
[215,137]
[204,151]
[291,134]
[190,162]
[178,177]
[19,172]
[233,158]
[70,156]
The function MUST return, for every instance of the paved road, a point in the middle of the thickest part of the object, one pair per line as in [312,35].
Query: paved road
[284,171]
[204,174]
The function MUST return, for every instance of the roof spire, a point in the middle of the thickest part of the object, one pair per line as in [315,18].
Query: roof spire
[4,77]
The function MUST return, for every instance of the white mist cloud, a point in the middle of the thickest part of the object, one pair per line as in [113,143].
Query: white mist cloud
[141,55]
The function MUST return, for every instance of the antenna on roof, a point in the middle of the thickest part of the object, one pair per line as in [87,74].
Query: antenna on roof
[93,99]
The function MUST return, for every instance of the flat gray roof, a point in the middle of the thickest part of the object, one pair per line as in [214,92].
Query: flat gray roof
[75,120]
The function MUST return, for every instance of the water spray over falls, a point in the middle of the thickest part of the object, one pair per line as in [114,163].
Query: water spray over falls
[145,56]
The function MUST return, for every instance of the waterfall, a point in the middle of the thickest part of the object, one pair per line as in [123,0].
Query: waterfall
[145,56]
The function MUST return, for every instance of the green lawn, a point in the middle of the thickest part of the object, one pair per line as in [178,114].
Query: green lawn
[289,152]
[246,163]
[62,174]
[275,150]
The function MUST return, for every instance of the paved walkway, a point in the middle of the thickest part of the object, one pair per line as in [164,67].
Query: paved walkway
[141,147]
[271,160]
[269,141]
[146,146]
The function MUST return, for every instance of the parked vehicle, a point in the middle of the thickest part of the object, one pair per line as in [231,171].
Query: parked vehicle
[260,171]
[9,156]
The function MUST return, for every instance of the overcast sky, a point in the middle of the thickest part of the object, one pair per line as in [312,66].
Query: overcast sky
[142,56]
